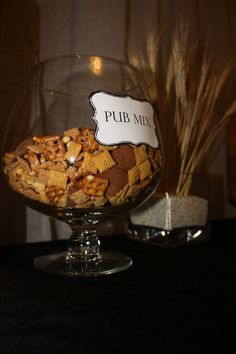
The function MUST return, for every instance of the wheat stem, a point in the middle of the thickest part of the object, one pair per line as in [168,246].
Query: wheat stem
[186,93]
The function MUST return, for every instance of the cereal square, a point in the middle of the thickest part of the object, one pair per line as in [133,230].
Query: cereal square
[73,151]
[99,201]
[89,164]
[79,197]
[73,133]
[133,175]
[145,169]
[59,166]
[56,178]
[140,154]
[104,161]
[43,176]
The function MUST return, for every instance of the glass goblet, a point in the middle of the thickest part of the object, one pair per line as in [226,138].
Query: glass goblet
[82,146]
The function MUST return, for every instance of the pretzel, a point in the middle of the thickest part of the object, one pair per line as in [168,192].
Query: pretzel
[54,194]
[52,146]
[94,185]
[33,160]
[86,138]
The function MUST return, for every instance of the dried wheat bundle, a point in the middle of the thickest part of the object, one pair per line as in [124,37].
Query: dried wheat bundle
[186,93]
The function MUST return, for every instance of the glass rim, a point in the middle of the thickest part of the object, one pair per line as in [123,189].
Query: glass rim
[86,56]
[57,58]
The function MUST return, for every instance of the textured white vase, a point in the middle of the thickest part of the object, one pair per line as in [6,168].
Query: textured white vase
[171,212]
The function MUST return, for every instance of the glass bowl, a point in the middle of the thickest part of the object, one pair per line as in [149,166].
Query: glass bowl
[82,145]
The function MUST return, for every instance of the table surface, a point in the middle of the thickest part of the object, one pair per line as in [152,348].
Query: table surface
[169,299]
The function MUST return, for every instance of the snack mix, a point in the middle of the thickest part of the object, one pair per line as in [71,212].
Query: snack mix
[75,171]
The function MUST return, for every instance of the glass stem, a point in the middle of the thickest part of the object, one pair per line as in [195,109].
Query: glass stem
[83,245]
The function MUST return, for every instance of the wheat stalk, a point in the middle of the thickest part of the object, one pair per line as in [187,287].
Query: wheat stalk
[188,96]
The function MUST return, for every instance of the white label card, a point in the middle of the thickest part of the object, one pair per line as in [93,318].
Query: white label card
[123,119]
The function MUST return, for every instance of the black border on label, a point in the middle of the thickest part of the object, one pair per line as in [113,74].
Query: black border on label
[122,142]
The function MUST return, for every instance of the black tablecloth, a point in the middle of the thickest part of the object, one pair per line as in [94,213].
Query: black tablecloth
[170,299]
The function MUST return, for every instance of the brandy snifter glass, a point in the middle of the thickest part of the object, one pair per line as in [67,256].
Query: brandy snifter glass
[82,146]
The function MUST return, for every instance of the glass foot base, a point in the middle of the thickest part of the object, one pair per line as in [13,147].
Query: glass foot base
[173,238]
[56,264]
